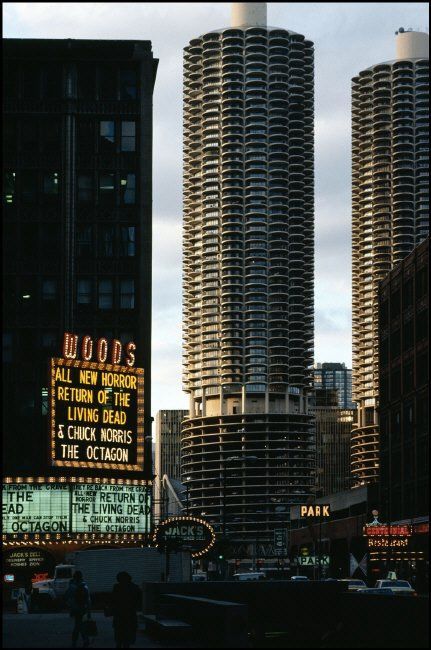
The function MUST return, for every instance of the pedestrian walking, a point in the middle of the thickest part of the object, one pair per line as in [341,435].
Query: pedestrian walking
[78,599]
[126,599]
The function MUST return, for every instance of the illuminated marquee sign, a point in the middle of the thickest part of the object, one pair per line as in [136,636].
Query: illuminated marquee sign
[385,530]
[97,415]
[187,533]
[387,542]
[69,508]
[387,536]
[100,349]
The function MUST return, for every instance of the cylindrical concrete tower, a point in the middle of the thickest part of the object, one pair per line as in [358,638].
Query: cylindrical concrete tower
[390,185]
[248,273]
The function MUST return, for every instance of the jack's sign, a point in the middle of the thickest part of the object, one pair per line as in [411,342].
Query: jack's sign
[185,533]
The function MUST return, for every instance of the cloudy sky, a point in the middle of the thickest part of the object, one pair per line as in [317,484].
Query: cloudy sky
[348,37]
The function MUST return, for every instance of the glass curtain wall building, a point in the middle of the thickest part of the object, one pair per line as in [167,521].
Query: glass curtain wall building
[390,195]
[248,445]
[335,376]
[167,451]
[333,432]
[77,218]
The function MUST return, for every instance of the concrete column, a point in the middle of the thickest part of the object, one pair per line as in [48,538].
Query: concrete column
[266,401]
[301,403]
[243,396]
[204,403]
[287,401]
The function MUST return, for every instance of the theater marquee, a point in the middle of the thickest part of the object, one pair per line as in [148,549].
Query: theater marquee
[66,509]
[97,410]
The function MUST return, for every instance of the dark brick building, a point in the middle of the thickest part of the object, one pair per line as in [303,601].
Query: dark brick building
[404,388]
[77,217]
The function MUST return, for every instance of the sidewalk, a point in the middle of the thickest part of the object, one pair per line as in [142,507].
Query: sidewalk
[55,631]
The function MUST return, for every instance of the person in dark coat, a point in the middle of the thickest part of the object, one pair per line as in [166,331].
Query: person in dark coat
[78,599]
[126,599]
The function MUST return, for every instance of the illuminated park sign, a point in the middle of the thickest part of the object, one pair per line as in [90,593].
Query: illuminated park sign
[96,408]
[69,508]
[185,533]
[315,511]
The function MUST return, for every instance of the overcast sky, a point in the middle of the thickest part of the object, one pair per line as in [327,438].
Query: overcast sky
[348,37]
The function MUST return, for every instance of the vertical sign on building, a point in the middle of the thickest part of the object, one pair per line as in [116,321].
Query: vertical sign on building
[280,541]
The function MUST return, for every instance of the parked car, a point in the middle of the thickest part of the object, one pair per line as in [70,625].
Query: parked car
[199,577]
[300,578]
[354,584]
[382,591]
[397,586]
[249,576]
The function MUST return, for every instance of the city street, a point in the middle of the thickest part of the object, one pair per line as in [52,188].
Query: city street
[54,631]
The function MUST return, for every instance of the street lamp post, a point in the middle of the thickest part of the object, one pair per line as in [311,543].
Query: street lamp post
[188,478]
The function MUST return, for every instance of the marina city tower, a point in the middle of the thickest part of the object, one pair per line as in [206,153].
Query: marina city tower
[248,446]
[390,214]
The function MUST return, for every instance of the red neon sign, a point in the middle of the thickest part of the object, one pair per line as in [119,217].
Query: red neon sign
[388,531]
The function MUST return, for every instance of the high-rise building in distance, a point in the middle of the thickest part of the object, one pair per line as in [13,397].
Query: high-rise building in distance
[167,455]
[248,272]
[333,431]
[77,219]
[335,376]
[390,200]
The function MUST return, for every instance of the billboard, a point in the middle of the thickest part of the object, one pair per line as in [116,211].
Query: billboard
[96,415]
[71,508]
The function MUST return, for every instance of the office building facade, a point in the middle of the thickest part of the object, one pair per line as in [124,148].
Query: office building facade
[167,457]
[390,200]
[77,219]
[248,273]
[329,376]
[333,432]
[404,388]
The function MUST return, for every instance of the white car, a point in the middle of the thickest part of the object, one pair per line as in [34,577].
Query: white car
[397,586]
[383,591]
[300,578]
[353,584]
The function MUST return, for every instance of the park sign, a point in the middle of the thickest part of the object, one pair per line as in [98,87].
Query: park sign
[184,533]
[312,560]
[96,407]
[315,511]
